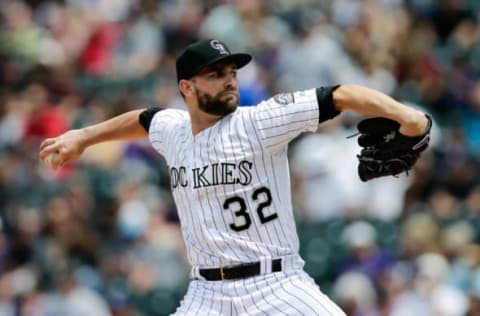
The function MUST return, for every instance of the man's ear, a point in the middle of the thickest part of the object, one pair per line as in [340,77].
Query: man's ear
[186,87]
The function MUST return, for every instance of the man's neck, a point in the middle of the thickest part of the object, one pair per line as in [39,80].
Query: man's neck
[201,120]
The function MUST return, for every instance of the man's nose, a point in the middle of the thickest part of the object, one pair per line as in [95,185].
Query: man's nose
[231,82]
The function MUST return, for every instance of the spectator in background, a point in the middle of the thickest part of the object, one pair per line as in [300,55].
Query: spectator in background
[356,294]
[363,253]
[432,282]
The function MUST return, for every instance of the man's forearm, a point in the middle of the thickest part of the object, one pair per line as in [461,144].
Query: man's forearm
[123,127]
[374,103]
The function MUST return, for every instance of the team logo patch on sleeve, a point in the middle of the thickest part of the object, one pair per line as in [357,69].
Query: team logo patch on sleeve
[284,98]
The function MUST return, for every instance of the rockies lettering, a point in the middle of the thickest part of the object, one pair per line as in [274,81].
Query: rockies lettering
[211,175]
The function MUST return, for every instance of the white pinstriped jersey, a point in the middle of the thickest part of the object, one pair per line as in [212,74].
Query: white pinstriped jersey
[231,181]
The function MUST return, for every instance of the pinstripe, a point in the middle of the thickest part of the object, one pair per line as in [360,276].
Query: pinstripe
[239,297]
[247,254]
[253,150]
[185,225]
[200,307]
[289,118]
[222,214]
[274,145]
[299,299]
[186,209]
[192,301]
[269,174]
[234,307]
[277,187]
[199,233]
[221,299]
[282,115]
[180,152]
[219,211]
[293,235]
[213,300]
[196,235]
[157,142]
[276,190]
[203,212]
[152,133]
[273,293]
[199,250]
[325,301]
[274,107]
[169,134]
[253,299]
[248,200]
[316,299]
[202,235]
[268,180]
[225,194]
[267,302]
[289,123]
[194,241]
[186,222]
[285,133]
[287,302]
[173,140]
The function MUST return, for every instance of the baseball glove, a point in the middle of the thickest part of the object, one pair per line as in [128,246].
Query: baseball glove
[385,151]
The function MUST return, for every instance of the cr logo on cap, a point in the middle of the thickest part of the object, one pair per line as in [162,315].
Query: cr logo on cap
[219,46]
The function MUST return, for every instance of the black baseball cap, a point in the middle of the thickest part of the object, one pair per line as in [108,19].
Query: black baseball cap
[204,53]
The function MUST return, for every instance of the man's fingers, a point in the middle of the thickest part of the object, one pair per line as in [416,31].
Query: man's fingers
[54,160]
[49,149]
[58,151]
[47,142]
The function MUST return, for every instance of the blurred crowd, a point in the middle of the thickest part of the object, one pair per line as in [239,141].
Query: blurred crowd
[101,236]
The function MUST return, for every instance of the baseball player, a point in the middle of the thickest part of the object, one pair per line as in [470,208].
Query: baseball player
[230,180]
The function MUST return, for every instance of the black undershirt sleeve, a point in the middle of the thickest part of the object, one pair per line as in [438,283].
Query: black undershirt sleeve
[145,118]
[326,105]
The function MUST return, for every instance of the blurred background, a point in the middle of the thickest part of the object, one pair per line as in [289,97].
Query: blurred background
[101,236]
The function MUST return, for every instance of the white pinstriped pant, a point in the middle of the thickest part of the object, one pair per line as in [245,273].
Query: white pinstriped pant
[290,292]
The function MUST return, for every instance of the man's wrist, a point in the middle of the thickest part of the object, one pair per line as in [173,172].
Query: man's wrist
[84,138]
[414,123]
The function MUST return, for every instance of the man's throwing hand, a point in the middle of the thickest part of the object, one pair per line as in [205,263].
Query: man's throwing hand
[55,152]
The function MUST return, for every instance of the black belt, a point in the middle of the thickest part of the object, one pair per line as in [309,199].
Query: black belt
[241,271]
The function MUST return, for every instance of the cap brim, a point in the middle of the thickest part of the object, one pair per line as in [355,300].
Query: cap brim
[238,59]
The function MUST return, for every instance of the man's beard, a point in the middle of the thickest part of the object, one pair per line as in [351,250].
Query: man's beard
[214,105]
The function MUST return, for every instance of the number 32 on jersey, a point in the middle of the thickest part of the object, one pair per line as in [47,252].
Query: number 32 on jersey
[262,197]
